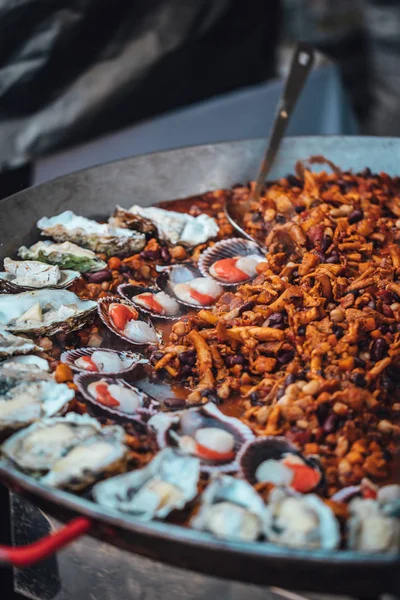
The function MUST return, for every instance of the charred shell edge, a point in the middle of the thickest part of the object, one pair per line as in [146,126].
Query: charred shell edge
[82,380]
[138,289]
[9,287]
[242,431]
[70,356]
[227,249]
[102,309]
[245,456]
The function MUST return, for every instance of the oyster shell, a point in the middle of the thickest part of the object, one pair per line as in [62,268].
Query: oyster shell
[124,218]
[66,255]
[176,227]
[183,283]
[230,509]
[231,262]
[117,398]
[103,238]
[44,311]
[26,362]
[101,455]
[25,275]
[274,460]
[300,521]
[151,301]
[11,345]
[134,329]
[37,448]
[374,525]
[204,432]
[103,361]
[167,483]
[27,397]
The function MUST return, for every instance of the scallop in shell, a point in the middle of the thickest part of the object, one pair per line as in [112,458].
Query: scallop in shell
[204,432]
[101,455]
[20,276]
[13,345]
[230,509]
[36,448]
[299,521]
[27,397]
[167,483]
[104,361]
[274,460]
[116,398]
[231,262]
[45,312]
[185,284]
[125,321]
[152,301]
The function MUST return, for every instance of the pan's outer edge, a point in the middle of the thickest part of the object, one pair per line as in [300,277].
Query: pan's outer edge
[180,173]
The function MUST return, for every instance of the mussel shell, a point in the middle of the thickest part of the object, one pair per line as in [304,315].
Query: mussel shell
[211,416]
[168,278]
[70,356]
[103,307]
[141,415]
[255,452]
[227,249]
[129,290]
[8,286]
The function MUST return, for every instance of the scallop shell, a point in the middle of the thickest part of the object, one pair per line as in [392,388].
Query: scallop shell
[227,249]
[8,286]
[164,422]
[103,306]
[129,290]
[257,451]
[181,273]
[70,356]
[149,408]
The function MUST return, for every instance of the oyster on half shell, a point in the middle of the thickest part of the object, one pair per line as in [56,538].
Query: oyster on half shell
[66,255]
[175,227]
[44,311]
[101,455]
[230,509]
[26,362]
[167,483]
[12,345]
[38,447]
[21,275]
[27,397]
[300,521]
[99,237]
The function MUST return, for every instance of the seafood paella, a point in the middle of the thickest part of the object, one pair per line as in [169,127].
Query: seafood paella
[166,366]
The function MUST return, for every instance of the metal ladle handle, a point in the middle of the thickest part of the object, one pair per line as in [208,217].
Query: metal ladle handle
[302,62]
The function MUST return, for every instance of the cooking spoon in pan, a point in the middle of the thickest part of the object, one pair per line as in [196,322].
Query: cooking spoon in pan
[302,62]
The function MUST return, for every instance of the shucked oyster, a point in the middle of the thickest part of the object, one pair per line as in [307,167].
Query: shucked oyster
[11,345]
[167,483]
[101,455]
[178,228]
[374,525]
[30,274]
[27,397]
[44,311]
[26,362]
[98,237]
[230,509]
[300,521]
[66,255]
[36,448]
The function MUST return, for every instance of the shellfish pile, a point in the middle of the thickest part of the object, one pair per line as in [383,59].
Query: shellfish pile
[150,291]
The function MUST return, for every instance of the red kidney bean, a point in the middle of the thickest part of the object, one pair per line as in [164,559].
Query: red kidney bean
[237,359]
[188,357]
[246,306]
[298,436]
[387,311]
[379,348]
[300,209]
[165,255]
[186,370]
[330,423]
[285,356]
[326,242]
[359,380]
[301,330]
[355,216]
[275,319]
[150,254]
[99,277]
[322,412]
[386,296]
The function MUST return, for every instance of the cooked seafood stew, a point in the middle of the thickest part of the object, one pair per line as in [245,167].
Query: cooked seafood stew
[169,368]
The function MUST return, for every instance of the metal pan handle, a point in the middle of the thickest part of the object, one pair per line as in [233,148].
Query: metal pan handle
[24,556]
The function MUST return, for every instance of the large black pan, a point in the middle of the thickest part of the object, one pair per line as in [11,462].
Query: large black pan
[178,174]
